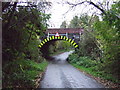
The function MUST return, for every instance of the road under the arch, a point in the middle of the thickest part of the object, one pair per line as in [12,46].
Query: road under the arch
[60,74]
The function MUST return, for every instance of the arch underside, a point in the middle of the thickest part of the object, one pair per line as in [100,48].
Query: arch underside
[58,38]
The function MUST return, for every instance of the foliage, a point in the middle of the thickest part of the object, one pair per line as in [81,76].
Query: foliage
[63,45]
[74,23]
[89,45]
[60,45]
[97,73]
[64,24]
[90,66]
[22,28]
[23,74]
[73,58]
[21,35]
[100,42]
[108,35]
[82,21]
[51,49]
[82,61]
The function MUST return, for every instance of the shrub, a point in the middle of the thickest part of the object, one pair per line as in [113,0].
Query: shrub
[73,58]
[83,61]
[86,62]
[22,73]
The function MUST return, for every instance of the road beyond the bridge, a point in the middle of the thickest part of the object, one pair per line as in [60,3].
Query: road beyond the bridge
[60,74]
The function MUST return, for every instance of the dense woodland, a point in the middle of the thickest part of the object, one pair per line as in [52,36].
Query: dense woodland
[22,59]
[23,26]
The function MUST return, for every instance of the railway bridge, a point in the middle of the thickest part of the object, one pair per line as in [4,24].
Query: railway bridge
[69,34]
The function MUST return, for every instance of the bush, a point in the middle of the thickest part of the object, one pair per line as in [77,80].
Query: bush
[22,73]
[82,61]
[86,62]
[73,58]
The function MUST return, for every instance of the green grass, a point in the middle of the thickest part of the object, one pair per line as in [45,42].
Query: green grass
[96,73]
[92,67]
[22,73]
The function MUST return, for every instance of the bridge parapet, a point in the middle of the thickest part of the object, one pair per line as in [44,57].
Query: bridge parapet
[65,30]
[73,33]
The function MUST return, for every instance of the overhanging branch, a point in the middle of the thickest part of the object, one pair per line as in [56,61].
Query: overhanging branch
[90,2]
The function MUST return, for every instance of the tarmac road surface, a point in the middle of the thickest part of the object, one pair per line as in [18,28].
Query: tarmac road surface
[60,74]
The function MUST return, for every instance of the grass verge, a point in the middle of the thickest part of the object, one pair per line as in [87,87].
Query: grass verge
[107,79]
[22,73]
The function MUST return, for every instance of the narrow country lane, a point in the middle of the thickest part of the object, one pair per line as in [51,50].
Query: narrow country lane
[60,74]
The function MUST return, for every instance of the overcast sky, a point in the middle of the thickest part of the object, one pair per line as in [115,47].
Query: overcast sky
[58,11]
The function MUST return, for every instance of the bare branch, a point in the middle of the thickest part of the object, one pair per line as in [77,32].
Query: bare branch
[90,2]
[68,11]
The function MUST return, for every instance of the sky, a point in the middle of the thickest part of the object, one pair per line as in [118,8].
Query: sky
[59,9]
[59,12]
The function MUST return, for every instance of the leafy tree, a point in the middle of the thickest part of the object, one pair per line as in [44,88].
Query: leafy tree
[23,26]
[74,23]
[64,24]
[88,44]
[100,39]
[84,20]
[108,35]
[17,35]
